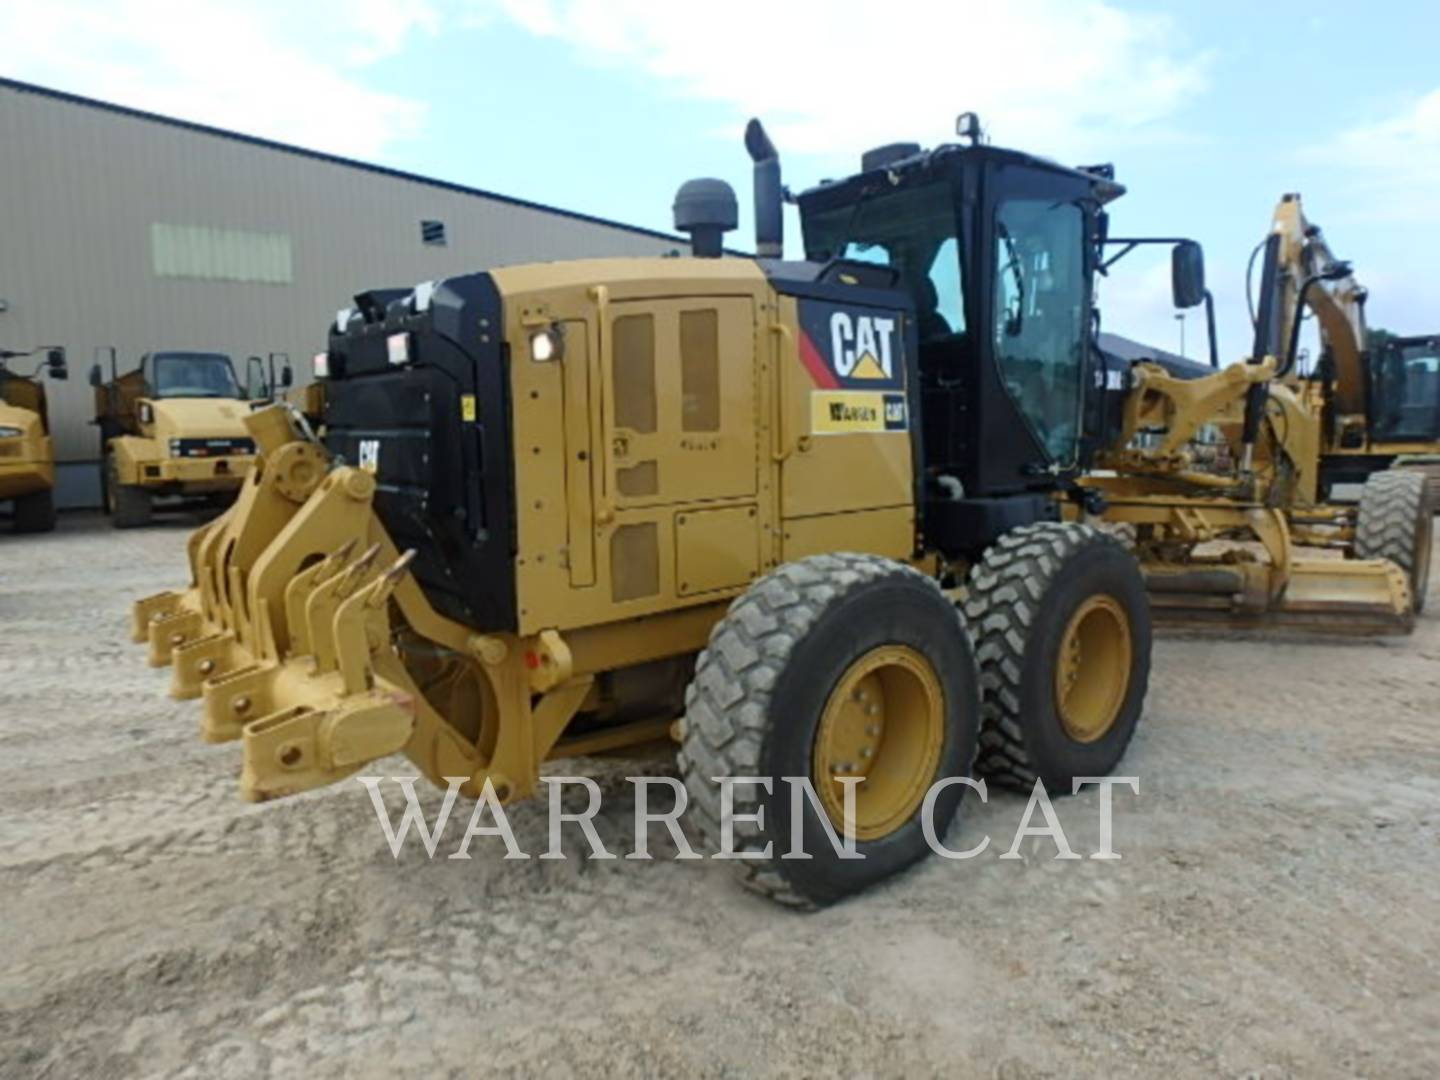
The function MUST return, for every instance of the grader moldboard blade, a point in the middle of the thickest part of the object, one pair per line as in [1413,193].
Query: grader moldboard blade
[1333,596]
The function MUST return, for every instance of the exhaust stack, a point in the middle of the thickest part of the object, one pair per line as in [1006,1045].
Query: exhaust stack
[769,195]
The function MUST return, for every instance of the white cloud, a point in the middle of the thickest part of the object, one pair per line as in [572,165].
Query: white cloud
[1390,165]
[838,76]
[290,72]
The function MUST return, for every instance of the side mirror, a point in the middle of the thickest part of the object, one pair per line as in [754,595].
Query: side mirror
[284,377]
[255,388]
[55,364]
[96,378]
[1187,274]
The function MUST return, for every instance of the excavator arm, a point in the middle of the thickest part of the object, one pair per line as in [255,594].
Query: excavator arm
[1311,277]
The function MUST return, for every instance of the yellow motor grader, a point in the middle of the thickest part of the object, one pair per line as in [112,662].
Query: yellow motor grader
[27,460]
[1251,453]
[805,517]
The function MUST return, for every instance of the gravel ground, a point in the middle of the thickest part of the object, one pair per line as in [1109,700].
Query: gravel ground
[1274,913]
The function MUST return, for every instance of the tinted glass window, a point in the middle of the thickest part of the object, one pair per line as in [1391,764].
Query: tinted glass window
[1040,316]
[913,230]
[193,375]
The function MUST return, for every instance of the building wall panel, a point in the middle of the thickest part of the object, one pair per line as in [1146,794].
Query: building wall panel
[125,231]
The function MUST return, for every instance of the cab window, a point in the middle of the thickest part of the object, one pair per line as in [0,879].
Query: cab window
[911,229]
[1039,317]
[175,375]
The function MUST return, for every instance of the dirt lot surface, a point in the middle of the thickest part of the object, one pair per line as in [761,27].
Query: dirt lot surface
[1274,913]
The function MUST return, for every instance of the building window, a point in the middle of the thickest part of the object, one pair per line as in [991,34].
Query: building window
[206,253]
[433,233]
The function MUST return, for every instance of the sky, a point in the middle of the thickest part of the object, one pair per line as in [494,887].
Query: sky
[1209,112]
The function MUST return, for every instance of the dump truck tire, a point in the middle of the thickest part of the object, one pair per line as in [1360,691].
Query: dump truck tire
[1062,634]
[35,513]
[1396,522]
[813,656]
[128,506]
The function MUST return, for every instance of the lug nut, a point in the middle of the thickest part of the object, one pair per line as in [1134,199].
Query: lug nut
[242,705]
[177,639]
[872,730]
[207,666]
[866,752]
[872,710]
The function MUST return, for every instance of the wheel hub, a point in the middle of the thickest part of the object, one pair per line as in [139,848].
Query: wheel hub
[1092,672]
[885,723]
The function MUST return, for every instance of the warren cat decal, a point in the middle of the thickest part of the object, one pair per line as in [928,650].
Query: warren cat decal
[841,412]
[856,358]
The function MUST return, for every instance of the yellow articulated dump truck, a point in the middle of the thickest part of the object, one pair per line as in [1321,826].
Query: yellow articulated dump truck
[174,428]
[27,460]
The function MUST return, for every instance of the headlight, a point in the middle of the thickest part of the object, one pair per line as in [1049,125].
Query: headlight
[547,344]
[8,432]
[174,447]
[397,346]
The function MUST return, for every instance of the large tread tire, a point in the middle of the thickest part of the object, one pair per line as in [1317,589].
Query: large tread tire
[1396,522]
[1021,596]
[133,507]
[759,691]
[129,506]
[35,513]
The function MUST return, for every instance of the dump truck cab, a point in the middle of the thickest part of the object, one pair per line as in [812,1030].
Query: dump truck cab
[173,427]
[27,459]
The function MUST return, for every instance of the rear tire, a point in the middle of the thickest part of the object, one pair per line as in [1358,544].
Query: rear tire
[783,681]
[35,513]
[129,506]
[1396,522]
[1062,636]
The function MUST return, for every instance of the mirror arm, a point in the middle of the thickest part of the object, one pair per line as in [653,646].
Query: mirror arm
[1210,328]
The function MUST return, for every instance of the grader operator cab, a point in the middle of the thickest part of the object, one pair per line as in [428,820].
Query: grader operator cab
[747,495]
[175,428]
[27,460]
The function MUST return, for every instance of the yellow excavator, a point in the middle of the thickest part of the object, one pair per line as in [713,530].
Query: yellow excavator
[1378,394]
[27,459]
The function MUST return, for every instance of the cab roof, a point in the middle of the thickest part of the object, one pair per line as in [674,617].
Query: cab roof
[1100,177]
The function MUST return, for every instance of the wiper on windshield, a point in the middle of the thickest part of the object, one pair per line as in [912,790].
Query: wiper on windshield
[837,252]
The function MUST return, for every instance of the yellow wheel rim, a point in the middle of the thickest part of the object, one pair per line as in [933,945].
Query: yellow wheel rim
[885,723]
[1092,674]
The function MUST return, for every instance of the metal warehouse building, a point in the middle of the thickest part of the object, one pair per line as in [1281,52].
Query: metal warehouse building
[127,229]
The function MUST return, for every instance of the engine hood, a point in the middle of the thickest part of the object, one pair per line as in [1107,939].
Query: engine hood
[199,418]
